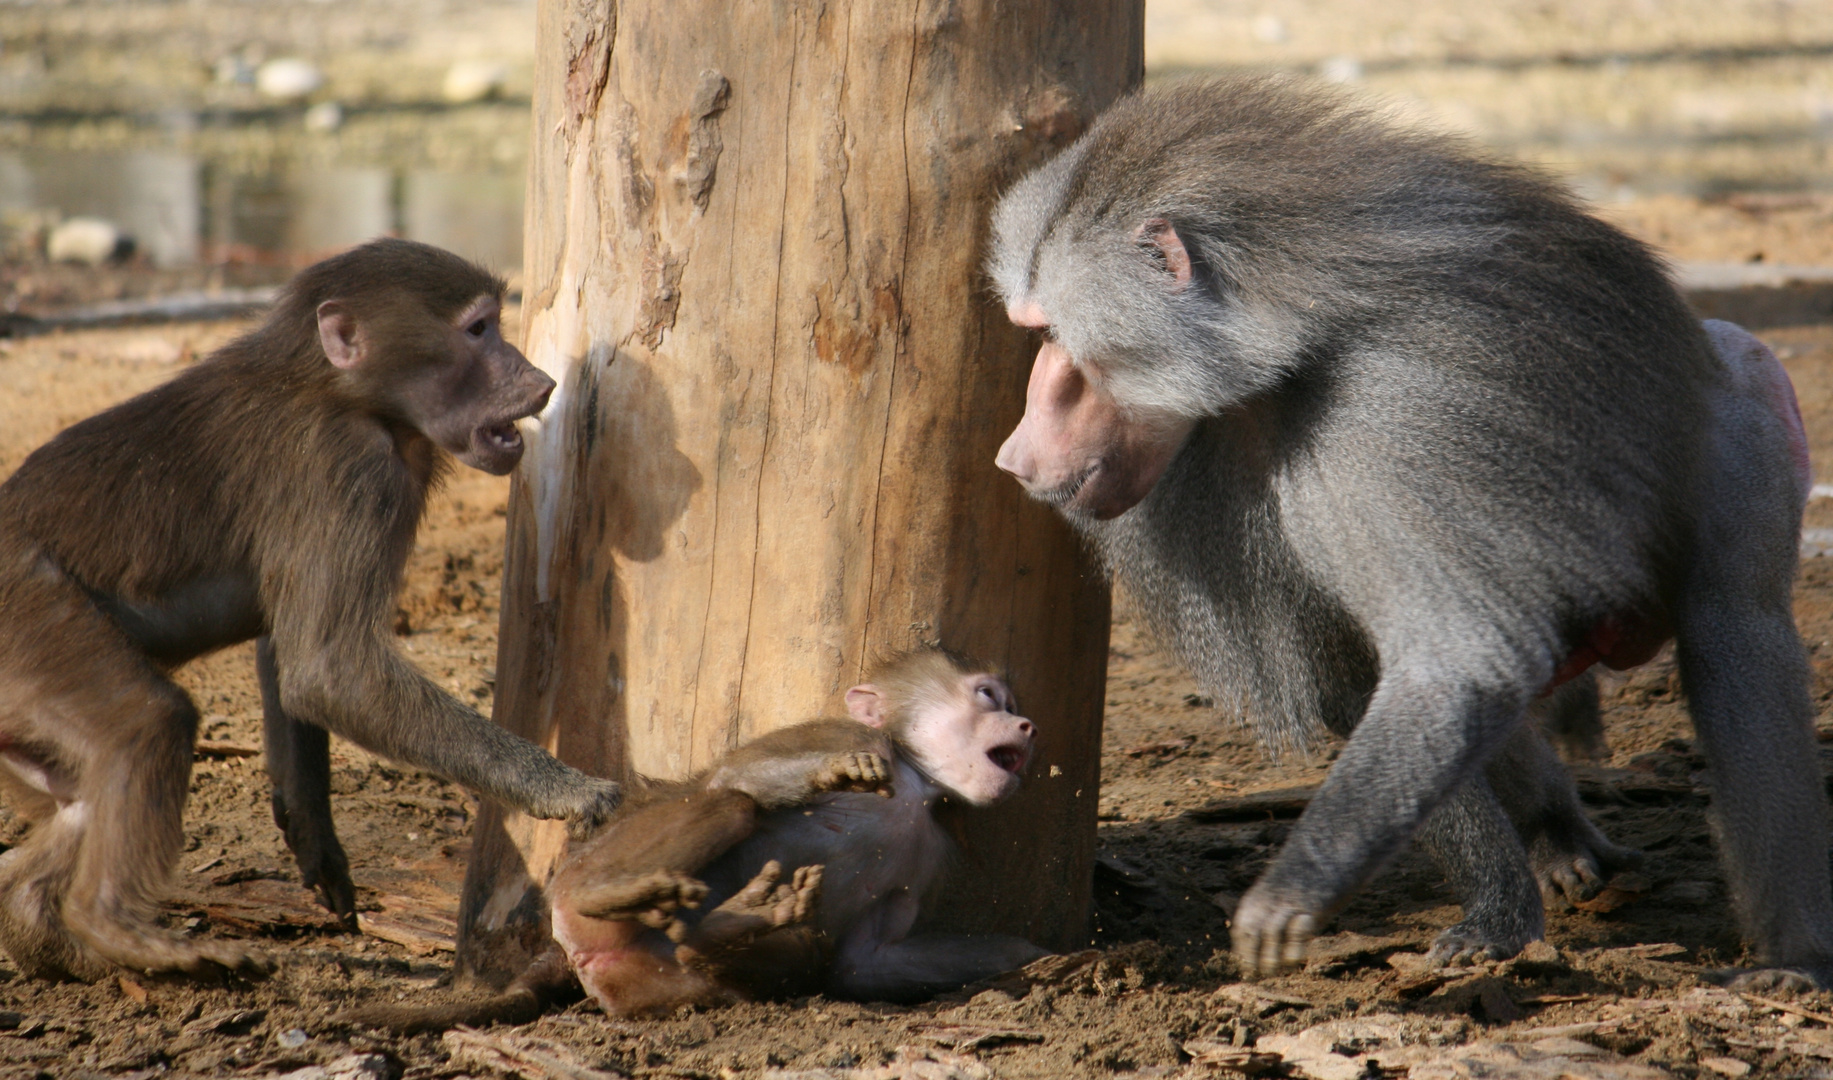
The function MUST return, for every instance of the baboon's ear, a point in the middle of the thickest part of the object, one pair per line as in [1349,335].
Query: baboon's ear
[1162,235]
[338,335]
[866,704]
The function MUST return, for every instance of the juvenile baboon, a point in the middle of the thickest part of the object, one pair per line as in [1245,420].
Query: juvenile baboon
[1388,436]
[844,808]
[272,491]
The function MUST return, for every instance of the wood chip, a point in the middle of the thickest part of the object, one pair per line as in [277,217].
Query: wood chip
[1726,1066]
[1554,999]
[223,748]
[1339,952]
[1262,1002]
[264,906]
[524,1055]
[966,1037]
[1228,1056]
[1420,984]
[1059,966]
[1783,1006]
[132,990]
[1623,889]
[227,1022]
[1256,806]
[207,865]
[1168,748]
[1114,868]
[1665,950]
[415,925]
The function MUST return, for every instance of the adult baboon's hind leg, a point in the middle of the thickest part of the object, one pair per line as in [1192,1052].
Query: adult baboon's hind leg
[1746,674]
[1476,846]
[1572,860]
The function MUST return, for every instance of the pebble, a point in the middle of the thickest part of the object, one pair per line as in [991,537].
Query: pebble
[288,78]
[89,240]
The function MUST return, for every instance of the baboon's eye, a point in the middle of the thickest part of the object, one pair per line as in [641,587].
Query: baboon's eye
[478,328]
[987,695]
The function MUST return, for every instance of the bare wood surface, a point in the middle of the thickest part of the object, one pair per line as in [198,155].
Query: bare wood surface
[753,265]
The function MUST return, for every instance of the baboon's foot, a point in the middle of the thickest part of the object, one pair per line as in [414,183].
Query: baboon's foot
[763,905]
[35,937]
[1468,943]
[1775,980]
[1572,868]
[857,770]
[653,899]
[143,947]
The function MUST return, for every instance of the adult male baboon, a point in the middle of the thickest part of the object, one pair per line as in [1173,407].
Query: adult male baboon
[1386,436]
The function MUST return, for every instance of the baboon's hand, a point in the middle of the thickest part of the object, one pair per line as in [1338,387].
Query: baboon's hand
[855,770]
[763,905]
[1271,934]
[602,800]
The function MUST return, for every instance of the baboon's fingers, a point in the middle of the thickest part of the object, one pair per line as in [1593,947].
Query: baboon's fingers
[605,797]
[757,892]
[658,917]
[807,891]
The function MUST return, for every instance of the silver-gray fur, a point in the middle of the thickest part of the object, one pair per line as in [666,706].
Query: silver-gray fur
[1445,432]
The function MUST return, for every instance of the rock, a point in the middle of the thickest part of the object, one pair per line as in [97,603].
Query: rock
[324,118]
[348,1067]
[88,240]
[234,71]
[1340,69]
[474,80]
[288,78]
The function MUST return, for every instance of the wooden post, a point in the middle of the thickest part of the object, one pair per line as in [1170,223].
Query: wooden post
[753,264]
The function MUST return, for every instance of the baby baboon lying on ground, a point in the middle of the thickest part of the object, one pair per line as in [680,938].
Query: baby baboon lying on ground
[798,864]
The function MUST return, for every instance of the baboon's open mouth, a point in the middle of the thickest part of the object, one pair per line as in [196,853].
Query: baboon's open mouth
[1009,758]
[504,436]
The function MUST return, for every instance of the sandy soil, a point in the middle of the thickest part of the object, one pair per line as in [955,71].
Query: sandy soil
[1617,991]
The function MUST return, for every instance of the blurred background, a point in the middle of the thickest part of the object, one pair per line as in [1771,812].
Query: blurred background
[216,144]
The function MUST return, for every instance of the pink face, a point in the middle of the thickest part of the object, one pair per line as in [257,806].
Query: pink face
[1076,448]
[970,741]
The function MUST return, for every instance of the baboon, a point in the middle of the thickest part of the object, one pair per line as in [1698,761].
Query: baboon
[1389,438]
[270,491]
[844,808]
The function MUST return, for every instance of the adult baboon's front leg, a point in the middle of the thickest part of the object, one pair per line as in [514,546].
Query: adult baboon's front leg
[1427,731]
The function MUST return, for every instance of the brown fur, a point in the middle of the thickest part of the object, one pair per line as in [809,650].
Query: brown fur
[267,491]
[814,883]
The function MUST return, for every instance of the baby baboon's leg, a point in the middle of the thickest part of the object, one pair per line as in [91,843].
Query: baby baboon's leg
[133,786]
[1571,719]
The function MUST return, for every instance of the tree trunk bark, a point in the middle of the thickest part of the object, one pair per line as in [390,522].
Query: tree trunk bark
[753,266]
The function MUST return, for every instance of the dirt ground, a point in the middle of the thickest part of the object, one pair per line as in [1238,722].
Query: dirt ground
[1186,824]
